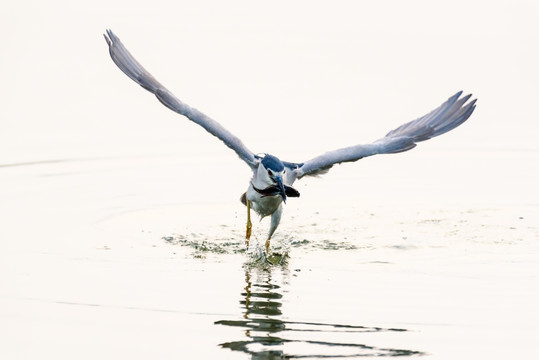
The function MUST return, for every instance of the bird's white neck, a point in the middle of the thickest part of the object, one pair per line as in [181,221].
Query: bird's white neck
[261,179]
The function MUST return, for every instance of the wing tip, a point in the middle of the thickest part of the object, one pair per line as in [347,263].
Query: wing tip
[465,98]
[107,39]
[110,37]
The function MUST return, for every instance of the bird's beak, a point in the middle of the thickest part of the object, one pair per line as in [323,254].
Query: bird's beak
[280,185]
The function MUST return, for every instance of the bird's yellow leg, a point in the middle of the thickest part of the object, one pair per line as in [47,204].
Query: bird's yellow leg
[268,245]
[249,224]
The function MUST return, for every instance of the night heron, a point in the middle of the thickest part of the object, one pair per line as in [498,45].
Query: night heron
[272,179]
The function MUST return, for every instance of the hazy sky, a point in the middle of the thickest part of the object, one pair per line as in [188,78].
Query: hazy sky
[319,74]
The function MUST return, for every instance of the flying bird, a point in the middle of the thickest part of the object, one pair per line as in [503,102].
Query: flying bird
[272,180]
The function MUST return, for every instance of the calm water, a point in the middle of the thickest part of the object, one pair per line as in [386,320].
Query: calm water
[119,257]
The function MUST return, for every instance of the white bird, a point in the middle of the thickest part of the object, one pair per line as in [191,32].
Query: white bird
[272,179]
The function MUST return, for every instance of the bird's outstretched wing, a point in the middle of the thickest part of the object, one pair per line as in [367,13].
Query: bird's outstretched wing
[446,117]
[131,67]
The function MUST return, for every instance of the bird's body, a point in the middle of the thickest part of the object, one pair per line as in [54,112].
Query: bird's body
[272,180]
[264,205]
[269,187]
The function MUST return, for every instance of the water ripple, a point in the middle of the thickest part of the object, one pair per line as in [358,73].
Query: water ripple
[265,334]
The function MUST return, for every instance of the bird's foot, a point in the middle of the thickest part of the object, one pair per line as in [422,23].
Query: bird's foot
[267,246]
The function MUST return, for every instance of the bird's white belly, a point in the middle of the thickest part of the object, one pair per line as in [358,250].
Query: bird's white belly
[263,205]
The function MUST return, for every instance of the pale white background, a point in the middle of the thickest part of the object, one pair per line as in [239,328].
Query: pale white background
[338,73]
[290,78]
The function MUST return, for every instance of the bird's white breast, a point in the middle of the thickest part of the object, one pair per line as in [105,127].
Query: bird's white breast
[263,205]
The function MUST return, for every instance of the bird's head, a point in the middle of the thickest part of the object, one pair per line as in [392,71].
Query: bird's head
[271,171]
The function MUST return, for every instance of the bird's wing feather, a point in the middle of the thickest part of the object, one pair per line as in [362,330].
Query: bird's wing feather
[446,117]
[131,67]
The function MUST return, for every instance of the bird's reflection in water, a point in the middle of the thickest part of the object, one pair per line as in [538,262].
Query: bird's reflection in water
[268,336]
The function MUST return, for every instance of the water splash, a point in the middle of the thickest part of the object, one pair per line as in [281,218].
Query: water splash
[199,246]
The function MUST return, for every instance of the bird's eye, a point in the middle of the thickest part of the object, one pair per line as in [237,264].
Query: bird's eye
[284,171]
[270,173]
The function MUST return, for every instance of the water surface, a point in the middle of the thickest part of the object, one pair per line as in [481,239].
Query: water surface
[105,258]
